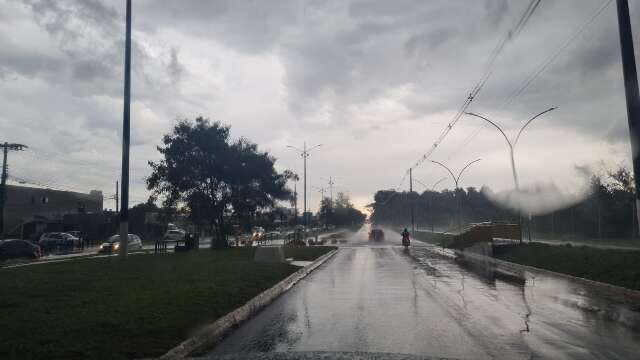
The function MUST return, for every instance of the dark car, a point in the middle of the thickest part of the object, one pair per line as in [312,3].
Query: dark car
[376,235]
[15,248]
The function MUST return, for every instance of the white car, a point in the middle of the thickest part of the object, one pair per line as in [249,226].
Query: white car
[113,244]
[58,239]
[174,235]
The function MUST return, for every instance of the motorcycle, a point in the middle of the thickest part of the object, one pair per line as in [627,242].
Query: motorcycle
[405,241]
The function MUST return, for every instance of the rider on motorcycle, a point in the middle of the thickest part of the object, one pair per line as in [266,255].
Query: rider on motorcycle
[405,236]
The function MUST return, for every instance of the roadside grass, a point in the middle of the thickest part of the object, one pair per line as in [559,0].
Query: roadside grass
[617,267]
[634,243]
[113,308]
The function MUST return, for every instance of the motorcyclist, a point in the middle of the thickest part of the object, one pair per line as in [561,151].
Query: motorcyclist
[405,235]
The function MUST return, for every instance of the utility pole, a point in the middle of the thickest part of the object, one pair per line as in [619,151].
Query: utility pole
[632,94]
[413,225]
[331,189]
[456,181]
[304,153]
[3,185]
[124,205]
[117,198]
[295,200]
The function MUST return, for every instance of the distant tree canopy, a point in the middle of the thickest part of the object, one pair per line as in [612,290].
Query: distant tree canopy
[340,212]
[609,212]
[215,177]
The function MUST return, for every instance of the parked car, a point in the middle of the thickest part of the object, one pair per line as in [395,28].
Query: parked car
[113,244]
[174,235]
[78,234]
[52,240]
[271,235]
[15,248]
[257,234]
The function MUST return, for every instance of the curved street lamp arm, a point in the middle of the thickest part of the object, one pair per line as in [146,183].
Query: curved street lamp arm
[437,182]
[450,172]
[295,148]
[494,124]
[313,147]
[529,122]
[464,168]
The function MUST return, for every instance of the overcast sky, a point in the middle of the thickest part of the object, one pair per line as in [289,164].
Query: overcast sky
[376,82]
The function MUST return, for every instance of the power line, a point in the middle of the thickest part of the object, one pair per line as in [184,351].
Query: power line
[543,66]
[550,59]
[511,34]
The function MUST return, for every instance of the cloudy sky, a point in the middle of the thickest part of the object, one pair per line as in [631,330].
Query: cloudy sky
[376,82]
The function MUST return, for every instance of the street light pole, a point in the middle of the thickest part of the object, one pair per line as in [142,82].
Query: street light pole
[431,201]
[413,226]
[512,144]
[304,153]
[124,200]
[456,181]
[432,188]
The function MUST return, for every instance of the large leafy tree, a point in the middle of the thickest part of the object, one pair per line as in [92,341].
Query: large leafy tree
[203,170]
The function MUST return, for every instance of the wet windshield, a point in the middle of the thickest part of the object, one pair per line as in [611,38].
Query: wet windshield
[333,179]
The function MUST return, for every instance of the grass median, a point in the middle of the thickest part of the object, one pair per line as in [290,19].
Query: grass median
[617,267]
[137,307]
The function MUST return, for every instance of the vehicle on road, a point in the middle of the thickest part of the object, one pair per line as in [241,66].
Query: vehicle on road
[376,235]
[406,241]
[174,235]
[113,244]
[258,234]
[52,240]
[271,235]
[16,249]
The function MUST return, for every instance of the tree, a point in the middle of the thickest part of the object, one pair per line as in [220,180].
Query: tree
[343,212]
[326,211]
[213,177]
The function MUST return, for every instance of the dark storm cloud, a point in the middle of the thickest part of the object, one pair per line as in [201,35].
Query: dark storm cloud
[371,67]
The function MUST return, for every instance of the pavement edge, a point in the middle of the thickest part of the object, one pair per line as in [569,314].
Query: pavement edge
[212,334]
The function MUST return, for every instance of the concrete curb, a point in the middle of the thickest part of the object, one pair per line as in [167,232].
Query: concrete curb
[212,334]
[518,270]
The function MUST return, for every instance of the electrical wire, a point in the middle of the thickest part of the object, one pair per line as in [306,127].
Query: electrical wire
[551,58]
[497,50]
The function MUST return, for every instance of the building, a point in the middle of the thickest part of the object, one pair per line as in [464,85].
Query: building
[34,208]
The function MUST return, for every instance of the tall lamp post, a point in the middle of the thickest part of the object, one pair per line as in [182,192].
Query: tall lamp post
[124,197]
[295,179]
[432,188]
[631,91]
[456,180]
[512,145]
[304,153]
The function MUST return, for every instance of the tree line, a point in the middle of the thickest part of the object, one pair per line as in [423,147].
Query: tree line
[339,212]
[607,212]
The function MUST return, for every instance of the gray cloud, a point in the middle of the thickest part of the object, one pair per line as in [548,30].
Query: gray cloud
[379,74]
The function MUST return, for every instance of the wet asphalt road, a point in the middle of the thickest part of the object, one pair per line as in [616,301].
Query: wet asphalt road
[379,298]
